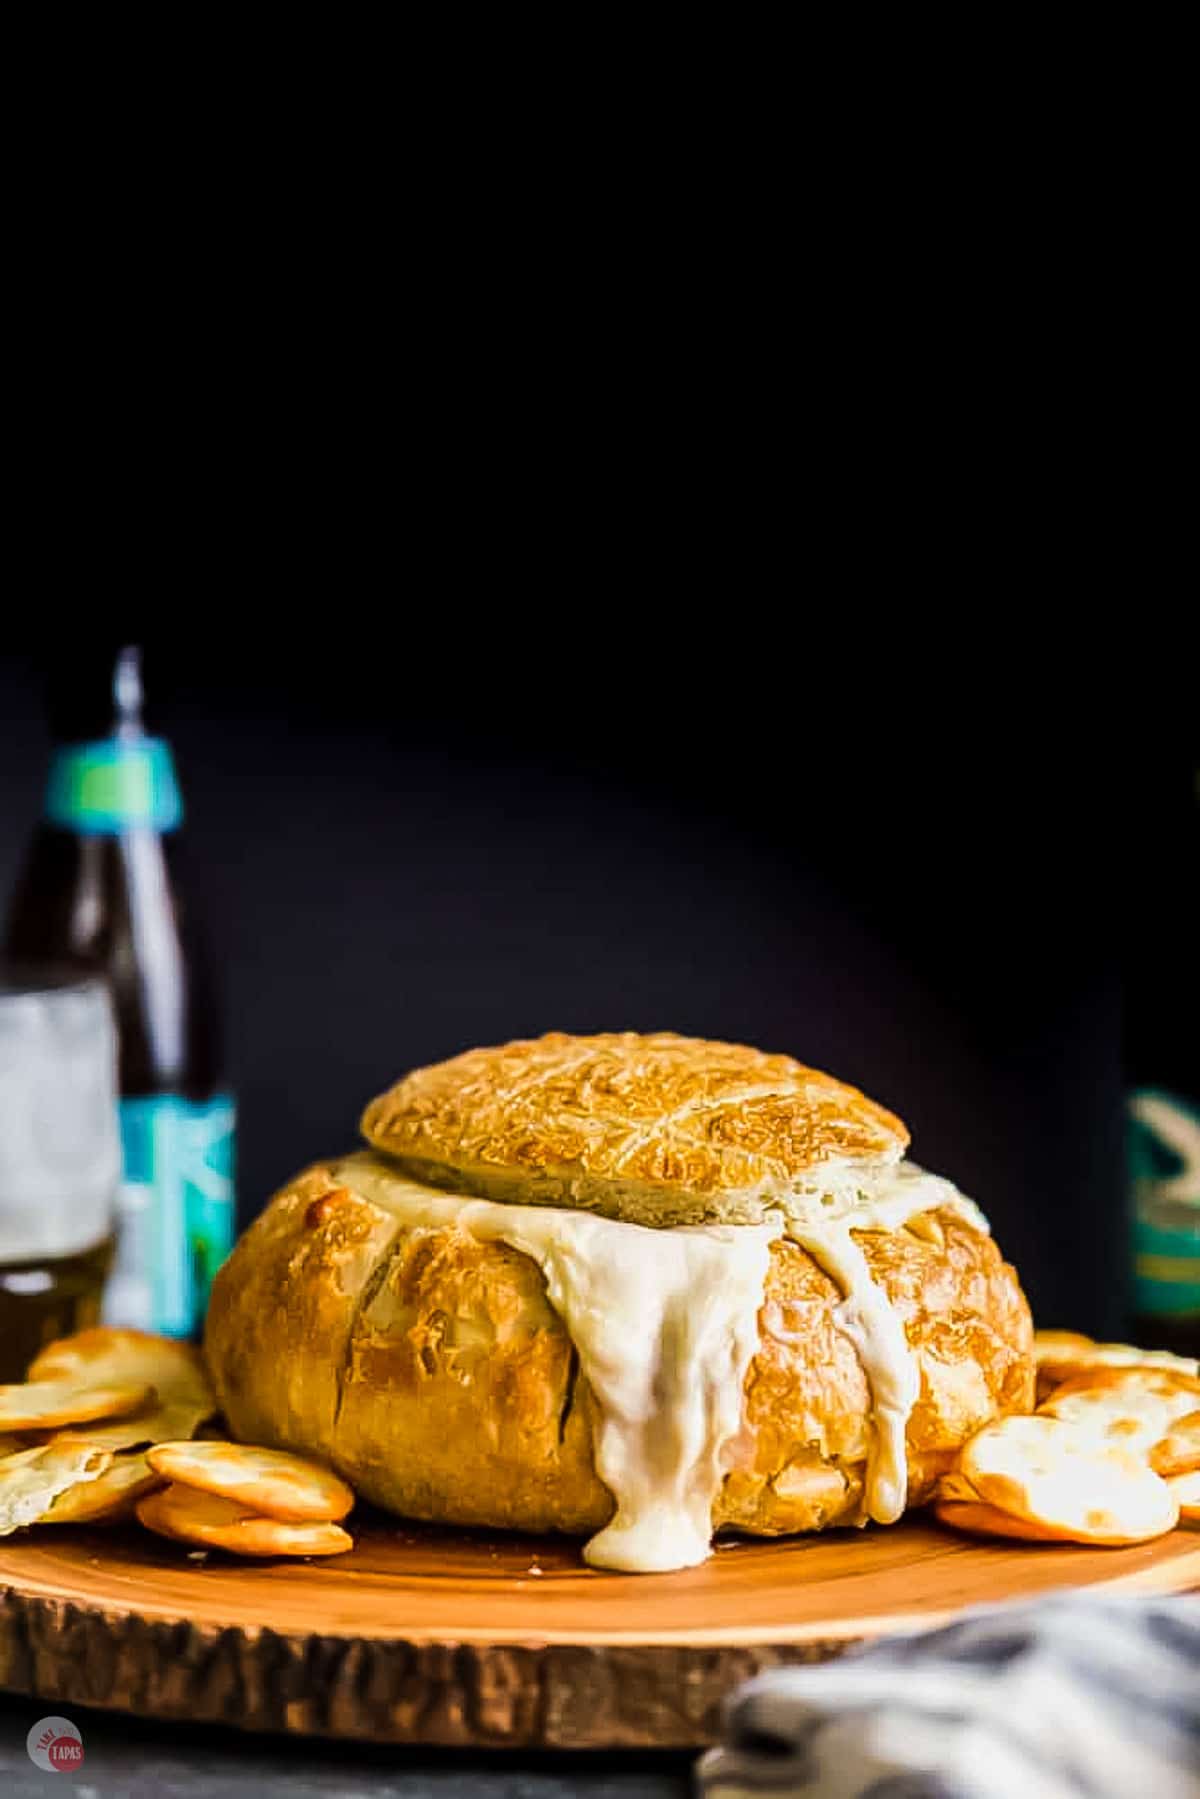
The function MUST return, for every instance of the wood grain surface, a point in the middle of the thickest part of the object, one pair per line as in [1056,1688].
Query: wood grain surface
[446,1637]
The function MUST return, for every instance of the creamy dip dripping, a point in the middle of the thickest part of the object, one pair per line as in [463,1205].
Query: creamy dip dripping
[665,1323]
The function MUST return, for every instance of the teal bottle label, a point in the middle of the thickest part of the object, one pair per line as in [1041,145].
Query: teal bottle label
[114,785]
[175,1211]
[1164,1172]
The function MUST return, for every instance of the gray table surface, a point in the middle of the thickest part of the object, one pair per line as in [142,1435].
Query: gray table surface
[139,1760]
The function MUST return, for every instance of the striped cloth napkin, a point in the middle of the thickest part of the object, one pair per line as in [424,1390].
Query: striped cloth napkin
[1069,1698]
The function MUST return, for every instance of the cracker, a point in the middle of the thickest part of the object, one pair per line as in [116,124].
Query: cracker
[1185,1489]
[1050,1349]
[1061,1363]
[269,1482]
[1165,1381]
[32,1478]
[153,1423]
[109,1498]
[1047,1344]
[1040,1470]
[1178,1452]
[979,1519]
[188,1516]
[107,1355]
[1130,1409]
[955,1488]
[42,1405]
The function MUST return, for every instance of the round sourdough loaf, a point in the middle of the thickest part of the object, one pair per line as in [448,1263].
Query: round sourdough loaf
[429,1368]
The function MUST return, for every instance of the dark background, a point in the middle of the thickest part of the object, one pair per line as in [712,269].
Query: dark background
[407,841]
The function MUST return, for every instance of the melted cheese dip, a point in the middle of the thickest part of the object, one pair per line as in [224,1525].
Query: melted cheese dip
[665,1323]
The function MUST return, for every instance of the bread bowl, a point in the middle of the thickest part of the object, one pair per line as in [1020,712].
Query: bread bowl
[632,1288]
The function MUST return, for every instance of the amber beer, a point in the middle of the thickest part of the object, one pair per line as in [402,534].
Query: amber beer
[59,1158]
[100,891]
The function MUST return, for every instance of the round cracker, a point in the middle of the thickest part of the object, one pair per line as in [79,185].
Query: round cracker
[108,1356]
[149,1424]
[1056,1365]
[188,1516]
[1040,1470]
[269,1482]
[108,1499]
[955,1488]
[1164,1381]
[32,1478]
[1131,1409]
[41,1405]
[1050,1349]
[1185,1489]
[1178,1452]
[979,1519]
[1049,1343]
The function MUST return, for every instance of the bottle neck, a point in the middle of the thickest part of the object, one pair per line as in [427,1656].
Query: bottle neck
[114,784]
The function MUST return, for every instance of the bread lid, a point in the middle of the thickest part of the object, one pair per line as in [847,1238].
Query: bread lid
[658,1129]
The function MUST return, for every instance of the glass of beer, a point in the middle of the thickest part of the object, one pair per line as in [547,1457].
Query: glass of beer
[59,1158]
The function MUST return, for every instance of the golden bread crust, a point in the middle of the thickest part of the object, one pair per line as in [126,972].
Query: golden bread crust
[430,1370]
[655,1129]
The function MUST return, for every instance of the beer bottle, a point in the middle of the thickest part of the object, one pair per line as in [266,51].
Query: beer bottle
[100,892]
[1163,1063]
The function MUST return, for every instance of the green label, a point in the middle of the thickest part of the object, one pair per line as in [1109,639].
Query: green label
[1164,1173]
[175,1211]
[112,786]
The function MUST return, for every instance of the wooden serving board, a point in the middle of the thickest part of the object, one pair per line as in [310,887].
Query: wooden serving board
[427,1636]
